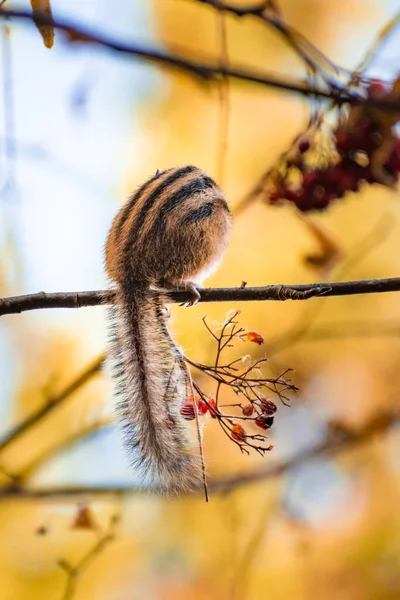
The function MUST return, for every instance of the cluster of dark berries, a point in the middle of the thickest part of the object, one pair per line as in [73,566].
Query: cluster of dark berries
[264,418]
[366,150]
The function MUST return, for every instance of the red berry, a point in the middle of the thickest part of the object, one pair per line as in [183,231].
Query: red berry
[238,433]
[275,197]
[187,411]
[213,408]
[376,89]
[343,143]
[303,201]
[304,146]
[202,408]
[268,407]
[293,196]
[248,410]
[310,179]
[264,422]
[319,198]
[334,177]
[376,138]
[350,179]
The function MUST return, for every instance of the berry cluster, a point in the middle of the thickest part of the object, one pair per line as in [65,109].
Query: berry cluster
[263,410]
[243,377]
[364,149]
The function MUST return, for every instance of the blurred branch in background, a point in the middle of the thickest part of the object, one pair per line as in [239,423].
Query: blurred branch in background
[340,438]
[78,34]
[51,403]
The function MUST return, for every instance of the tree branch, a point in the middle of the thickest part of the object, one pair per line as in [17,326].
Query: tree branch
[19,304]
[341,439]
[79,34]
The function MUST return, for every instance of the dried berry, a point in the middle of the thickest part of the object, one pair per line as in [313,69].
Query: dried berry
[187,411]
[264,421]
[238,433]
[268,407]
[248,410]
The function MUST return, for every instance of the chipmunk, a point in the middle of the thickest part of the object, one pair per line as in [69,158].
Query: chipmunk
[171,232]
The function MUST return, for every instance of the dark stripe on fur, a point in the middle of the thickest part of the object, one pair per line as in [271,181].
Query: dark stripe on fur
[140,218]
[185,192]
[132,201]
[198,214]
[131,305]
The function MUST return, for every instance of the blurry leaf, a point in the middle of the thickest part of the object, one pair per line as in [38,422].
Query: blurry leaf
[41,530]
[42,8]
[330,252]
[84,518]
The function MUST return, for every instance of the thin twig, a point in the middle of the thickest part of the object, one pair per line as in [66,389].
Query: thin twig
[224,104]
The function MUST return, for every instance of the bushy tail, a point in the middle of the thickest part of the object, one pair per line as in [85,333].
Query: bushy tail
[152,386]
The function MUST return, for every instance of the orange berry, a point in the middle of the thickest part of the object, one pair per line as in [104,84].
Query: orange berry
[238,433]
[192,399]
[253,336]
